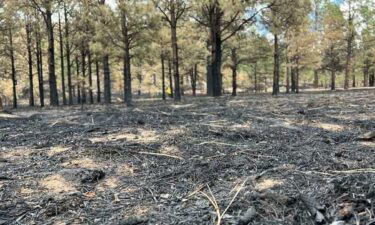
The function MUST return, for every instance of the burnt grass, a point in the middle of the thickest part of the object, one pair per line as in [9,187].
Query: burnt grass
[292,159]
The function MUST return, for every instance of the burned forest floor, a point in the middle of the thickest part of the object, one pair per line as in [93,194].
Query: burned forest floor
[256,159]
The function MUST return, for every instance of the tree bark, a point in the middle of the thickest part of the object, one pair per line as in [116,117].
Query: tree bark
[39,61]
[107,80]
[12,61]
[83,81]
[68,61]
[79,97]
[276,72]
[62,62]
[30,62]
[127,61]
[54,98]
[349,49]
[91,95]
[170,77]
[234,71]
[175,60]
[256,86]
[163,77]
[216,54]
[98,97]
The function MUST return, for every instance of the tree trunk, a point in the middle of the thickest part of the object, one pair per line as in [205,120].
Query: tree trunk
[30,62]
[170,77]
[349,49]
[287,75]
[107,80]
[216,55]
[62,62]
[366,70]
[195,79]
[316,79]
[163,78]
[175,60]
[83,81]
[372,79]
[276,72]
[209,77]
[293,80]
[79,97]
[98,97]
[127,62]
[333,80]
[39,61]
[68,61]
[297,76]
[54,98]
[12,60]
[256,86]
[234,71]
[354,84]
[91,95]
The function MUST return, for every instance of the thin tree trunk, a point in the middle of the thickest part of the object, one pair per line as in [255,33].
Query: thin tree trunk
[83,67]
[287,75]
[79,96]
[256,86]
[175,60]
[98,81]
[12,60]
[234,71]
[354,84]
[195,79]
[276,73]
[62,62]
[91,95]
[349,49]
[163,78]
[107,80]
[316,79]
[372,79]
[170,77]
[68,61]
[54,98]
[293,80]
[366,70]
[30,62]
[39,61]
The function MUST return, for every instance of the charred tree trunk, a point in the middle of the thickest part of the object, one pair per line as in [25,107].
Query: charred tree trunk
[91,95]
[83,80]
[276,72]
[54,98]
[127,62]
[12,61]
[68,61]
[293,80]
[349,49]
[39,61]
[170,78]
[234,71]
[30,62]
[62,62]
[175,60]
[163,78]
[79,96]
[98,97]
[209,77]
[194,80]
[216,55]
[372,79]
[107,80]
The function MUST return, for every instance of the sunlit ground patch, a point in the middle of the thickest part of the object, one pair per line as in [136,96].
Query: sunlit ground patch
[171,150]
[141,136]
[8,116]
[57,184]
[83,163]
[125,170]
[329,126]
[268,184]
[57,150]
[109,183]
